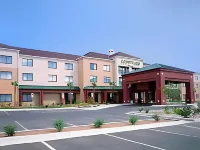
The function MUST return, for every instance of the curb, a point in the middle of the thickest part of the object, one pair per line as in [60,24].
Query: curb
[82,133]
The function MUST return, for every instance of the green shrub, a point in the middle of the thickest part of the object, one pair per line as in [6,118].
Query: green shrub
[186,111]
[166,110]
[98,123]
[140,109]
[133,119]
[197,111]
[10,130]
[146,110]
[156,117]
[59,124]
[177,111]
[90,100]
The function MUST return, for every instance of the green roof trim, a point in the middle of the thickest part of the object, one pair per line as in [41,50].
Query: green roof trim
[158,66]
[38,87]
[103,88]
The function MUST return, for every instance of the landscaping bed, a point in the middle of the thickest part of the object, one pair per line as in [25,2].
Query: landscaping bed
[79,128]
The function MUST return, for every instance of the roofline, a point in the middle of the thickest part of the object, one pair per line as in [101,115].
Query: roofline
[47,57]
[128,57]
[97,58]
[10,49]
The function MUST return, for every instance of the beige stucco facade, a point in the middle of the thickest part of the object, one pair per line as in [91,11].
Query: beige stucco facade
[41,71]
[85,72]
[5,84]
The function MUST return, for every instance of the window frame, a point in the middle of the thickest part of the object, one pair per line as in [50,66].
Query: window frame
[52,77]
[5,100]
[69,64]
[69,77]
[196,85]
[106,68]
[6,75]
[6,58]
[52,64]
[27,76]
[27,62]
[197,96]
[93,67]
[27,94]
[93,78]
[196,78]
[106,79]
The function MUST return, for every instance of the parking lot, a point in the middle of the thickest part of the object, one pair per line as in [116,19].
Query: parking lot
[180,137]
[40,119]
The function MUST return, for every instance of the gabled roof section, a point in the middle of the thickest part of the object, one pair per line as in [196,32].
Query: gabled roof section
[97,55]
[41,53]
[159,66]
[123,55]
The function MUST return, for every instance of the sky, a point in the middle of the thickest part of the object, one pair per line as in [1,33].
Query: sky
[158,31]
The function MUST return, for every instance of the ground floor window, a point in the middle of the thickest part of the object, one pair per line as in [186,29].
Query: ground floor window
[26,97]
[5,97]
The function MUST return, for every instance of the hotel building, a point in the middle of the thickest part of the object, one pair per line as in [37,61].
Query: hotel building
[43,76]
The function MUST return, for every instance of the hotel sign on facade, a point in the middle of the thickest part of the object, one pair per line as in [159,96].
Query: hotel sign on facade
[131,63]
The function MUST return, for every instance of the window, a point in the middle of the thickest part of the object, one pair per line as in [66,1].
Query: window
[196,77]
[27,62]
[5,59]
[196,85]
[183,84]
[106,68]
[5,97]
[52,78]
[184,96]
[27,77]
[5,75]
[93,66]
[106,79]
[197,95]
[120,81]
[68,79]
[27,97]
[93,78]
[123,70]
[52,64]
[68,66]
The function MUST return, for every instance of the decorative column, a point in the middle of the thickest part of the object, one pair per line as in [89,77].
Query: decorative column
[105,96]
[20,98]
[159,94]
[125,92]
[190,92]
[146,97]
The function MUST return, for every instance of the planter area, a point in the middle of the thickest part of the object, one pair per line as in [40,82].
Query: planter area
[79,128]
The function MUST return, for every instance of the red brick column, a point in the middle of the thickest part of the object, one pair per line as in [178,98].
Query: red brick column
[62,98]
[190,98]
[20,98]
[159,94]
[105,96]
[125,92]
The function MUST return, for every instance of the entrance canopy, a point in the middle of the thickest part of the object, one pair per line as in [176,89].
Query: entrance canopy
[149,82]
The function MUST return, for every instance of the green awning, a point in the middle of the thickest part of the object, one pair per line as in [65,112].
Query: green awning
[38,87]
[103,88]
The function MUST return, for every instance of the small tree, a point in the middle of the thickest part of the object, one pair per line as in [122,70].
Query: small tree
[112,85]
[171,92]
[15,85]
[70,85]
[94,85]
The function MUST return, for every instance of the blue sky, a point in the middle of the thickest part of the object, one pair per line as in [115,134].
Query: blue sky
[162,31]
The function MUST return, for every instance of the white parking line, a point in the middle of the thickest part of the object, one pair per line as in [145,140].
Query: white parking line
[89,118]
[135,142]
[71,124]
[174,133]
[190,127]
[7,113]
[47,145]
[21,126]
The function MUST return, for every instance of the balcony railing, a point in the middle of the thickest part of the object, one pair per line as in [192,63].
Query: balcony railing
[123,72]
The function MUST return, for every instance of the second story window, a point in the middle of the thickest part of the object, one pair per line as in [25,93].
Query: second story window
[27,62]
[106,68]
[68,66]
[93,78]
[196,85]
[27,77]
[5,59]
[52,78]
[93,66]
[52,64]
[106,79]
[196,77]
[68,79]
[5,75]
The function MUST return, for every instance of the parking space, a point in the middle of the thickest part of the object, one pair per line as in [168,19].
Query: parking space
[165,138]
[40,119]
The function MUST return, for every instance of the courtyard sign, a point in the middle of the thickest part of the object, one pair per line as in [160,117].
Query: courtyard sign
[130,63]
